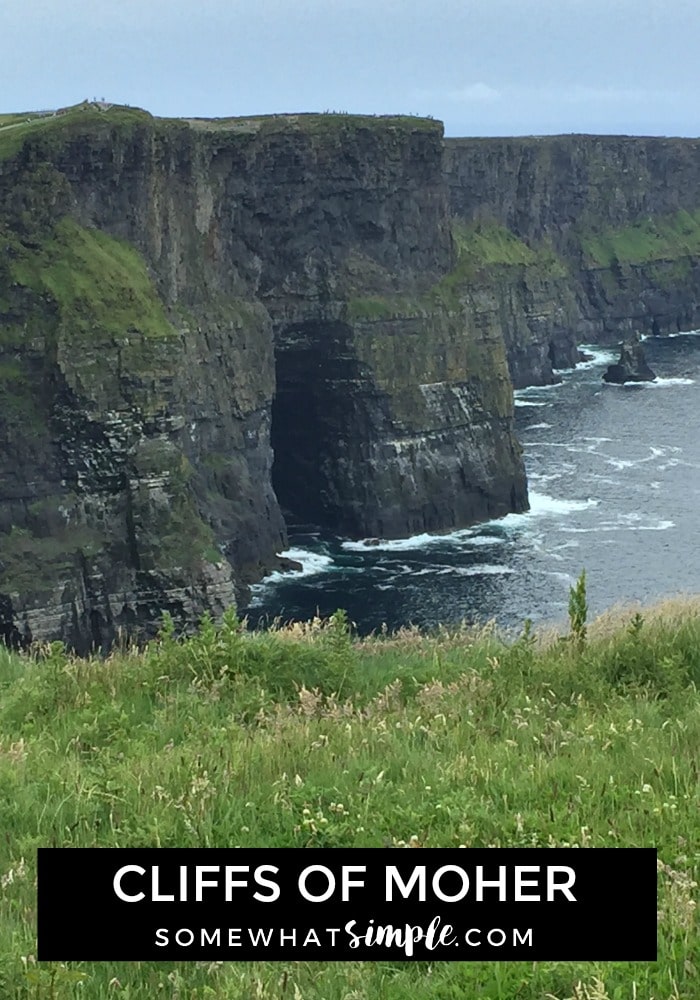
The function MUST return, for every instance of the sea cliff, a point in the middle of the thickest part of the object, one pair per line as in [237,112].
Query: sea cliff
[210,327]
[204,322]
[621,217]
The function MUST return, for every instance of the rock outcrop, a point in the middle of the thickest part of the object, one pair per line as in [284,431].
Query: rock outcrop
[632,365]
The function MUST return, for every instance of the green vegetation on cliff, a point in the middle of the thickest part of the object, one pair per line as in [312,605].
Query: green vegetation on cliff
[482,244]
[96,281]
[483,250]
[370,308]
[666,237]
[327,124]
[480,251]
[52,129]
[31,563]
[312,739]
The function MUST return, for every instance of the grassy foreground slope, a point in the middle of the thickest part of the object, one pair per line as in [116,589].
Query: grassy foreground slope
[304,737]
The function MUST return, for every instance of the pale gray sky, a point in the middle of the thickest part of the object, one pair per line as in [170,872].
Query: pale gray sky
[485,67]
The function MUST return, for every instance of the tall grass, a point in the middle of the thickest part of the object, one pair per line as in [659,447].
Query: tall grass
[303,736]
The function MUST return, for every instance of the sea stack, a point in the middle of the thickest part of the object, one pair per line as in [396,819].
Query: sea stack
[632,366]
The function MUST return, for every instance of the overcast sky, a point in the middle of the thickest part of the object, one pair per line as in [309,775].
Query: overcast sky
[485,67]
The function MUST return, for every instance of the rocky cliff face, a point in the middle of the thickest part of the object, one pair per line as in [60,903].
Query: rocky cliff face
[620,214]
[205,326]
[162,283]
[555,187]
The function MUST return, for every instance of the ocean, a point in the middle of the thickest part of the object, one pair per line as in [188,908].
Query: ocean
[614,484]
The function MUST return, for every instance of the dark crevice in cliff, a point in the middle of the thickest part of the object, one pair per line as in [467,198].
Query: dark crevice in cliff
[315,435]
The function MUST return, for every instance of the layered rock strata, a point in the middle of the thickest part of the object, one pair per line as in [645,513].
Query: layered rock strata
[621,216]
[162,284]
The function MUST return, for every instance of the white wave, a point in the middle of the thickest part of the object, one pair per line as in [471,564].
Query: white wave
[468,536]
[681,333]
[478,569]
[599,356]
[528,402]
[589,449]
[623,463]
[538,427]
[661,383]
[541,503]
[528,390]
[312,563]
[659,526]
[566,578]
[435,570]
[621,525]
[544,477]
[594,477]
[628,463]
[396,544]
[484,570]
[484,540]
[546,444]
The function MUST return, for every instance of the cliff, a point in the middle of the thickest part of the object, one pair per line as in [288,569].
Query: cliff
[202,321]
[620,214]
[208,326]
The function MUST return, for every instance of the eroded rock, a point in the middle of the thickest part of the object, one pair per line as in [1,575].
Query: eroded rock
[632,365]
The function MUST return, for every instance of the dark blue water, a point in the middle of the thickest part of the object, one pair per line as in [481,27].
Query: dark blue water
[614,479]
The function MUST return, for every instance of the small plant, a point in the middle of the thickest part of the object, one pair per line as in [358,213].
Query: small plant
[635,626]
[578,611]
[527,637]
[522,651]
[338,631]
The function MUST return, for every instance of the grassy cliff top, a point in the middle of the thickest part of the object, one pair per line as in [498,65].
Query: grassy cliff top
[315,740]
[15,128]
[565,138]
[312,121]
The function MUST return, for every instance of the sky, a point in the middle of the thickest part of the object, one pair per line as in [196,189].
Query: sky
[484,67]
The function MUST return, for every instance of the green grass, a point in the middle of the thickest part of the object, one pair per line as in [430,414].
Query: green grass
[27,560]
[662,238]
[53,130]
[373,308]
[491,244]
[482,248]
[301,737]
[98,282]
[88,119]
[315,123]
[14,119]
